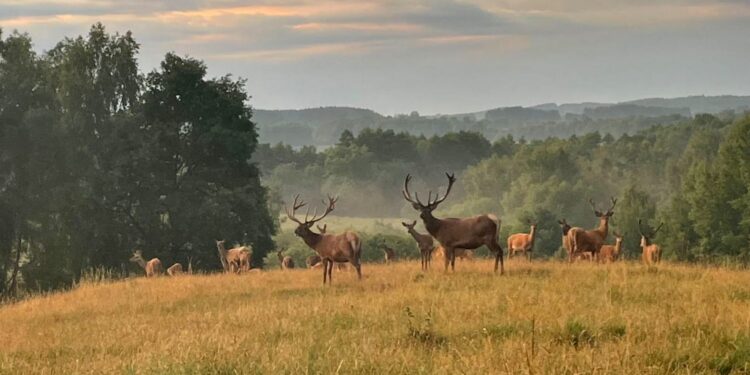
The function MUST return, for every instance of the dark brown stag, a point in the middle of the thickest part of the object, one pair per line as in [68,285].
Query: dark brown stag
[424,242]
[591,241]
[467,233]
[344,247]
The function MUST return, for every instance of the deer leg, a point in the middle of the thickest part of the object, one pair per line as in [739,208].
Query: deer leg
[325,271]
[453,259]
[498,250]
[330,272]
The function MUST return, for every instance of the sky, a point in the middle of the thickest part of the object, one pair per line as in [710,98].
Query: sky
[432,56]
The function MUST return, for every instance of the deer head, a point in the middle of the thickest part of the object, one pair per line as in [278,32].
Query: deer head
[409,226]
[425,210]
[137,256]
[607,214]
[647,235]
[303,226]
[564,226]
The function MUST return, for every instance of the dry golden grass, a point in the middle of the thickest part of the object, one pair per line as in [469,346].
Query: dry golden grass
[539,318]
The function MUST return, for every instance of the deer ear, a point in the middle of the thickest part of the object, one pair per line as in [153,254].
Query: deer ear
[416,206]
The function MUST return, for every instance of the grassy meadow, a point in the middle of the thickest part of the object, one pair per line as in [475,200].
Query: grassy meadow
[545,317]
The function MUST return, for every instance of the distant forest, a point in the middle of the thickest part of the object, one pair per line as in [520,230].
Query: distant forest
[322,126]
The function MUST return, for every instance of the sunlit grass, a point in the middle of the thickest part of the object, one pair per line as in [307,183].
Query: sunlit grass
[542,317]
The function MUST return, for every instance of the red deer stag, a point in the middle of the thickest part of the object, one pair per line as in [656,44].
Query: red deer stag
[467,233]
[651,252]
[610,253]
[153,267]
[285,262]
[344,247]
[522,242]
[590,241]
[424,242]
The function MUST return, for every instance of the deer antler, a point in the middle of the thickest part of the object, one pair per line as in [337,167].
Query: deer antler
[593,206]
[437,201]
[407,194]
[614,203]
[617,234]
[295,206]
[331,205]
[657,229]
[640,228]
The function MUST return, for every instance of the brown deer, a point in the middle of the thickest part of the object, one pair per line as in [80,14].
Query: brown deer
[285,262]
[390,254]
[175,270]
[610,253]
[462,254]
[344,247]
[153,267]
[313,261]
[565,227]
[234,260]
[522,242]
[467,233]
[590,241]
[424,242]
[651,252]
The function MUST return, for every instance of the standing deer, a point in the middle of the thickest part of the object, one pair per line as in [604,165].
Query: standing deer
[424,242]
[610,253]
[590,241]
[152,267]
[390,254]
[522,242]
[344,247]
[565,227]
[467,233]
[285,262]
[175,269]
[651,252]
[234,260]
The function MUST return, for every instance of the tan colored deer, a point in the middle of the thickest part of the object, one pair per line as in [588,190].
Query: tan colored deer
[522,242]
[565,227]
[175,270]
[610,253]
[467,233]
[424,242]
[313,261]
[389,254]
[462,254]
[153,267]
[344,247]
[651,252]
[590,241]
[234,260]
[285,262]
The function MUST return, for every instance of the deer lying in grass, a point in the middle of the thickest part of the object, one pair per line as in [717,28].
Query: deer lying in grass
[522,242]
[175,269]
[424,242]
[285,262]
[153,267]
[583,241]
[651,252]
[389,254]
[234,260]
[467,233]
[344,247]
[610,253]
[313,261]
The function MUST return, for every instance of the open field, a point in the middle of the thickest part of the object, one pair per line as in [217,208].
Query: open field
[543,317]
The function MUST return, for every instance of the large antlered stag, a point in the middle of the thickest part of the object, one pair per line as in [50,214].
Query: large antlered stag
[344,247]
[590,241]
[651,252]
[467,233]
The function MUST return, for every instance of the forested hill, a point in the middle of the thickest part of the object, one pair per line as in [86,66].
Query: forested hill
[322,126]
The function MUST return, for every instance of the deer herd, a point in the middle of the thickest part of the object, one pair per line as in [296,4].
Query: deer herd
[448,238]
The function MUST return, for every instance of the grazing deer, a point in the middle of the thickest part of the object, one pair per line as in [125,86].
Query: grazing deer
[313,261]
[285,262]
[175,269]
[591,241]
[424,242]
[610,253]
[344,247]
[234,260]
[467,233]
[152,267]
[651,252]
[522,242]
[389,254]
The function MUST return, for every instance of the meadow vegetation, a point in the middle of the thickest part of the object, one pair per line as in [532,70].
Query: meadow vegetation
[542,317]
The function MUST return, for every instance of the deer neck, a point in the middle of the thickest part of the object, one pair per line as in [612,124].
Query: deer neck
[281,257]
[141,262]
[311,239]
[532,235]
[432,224]
[618,246]
[603,228]
[222,250]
